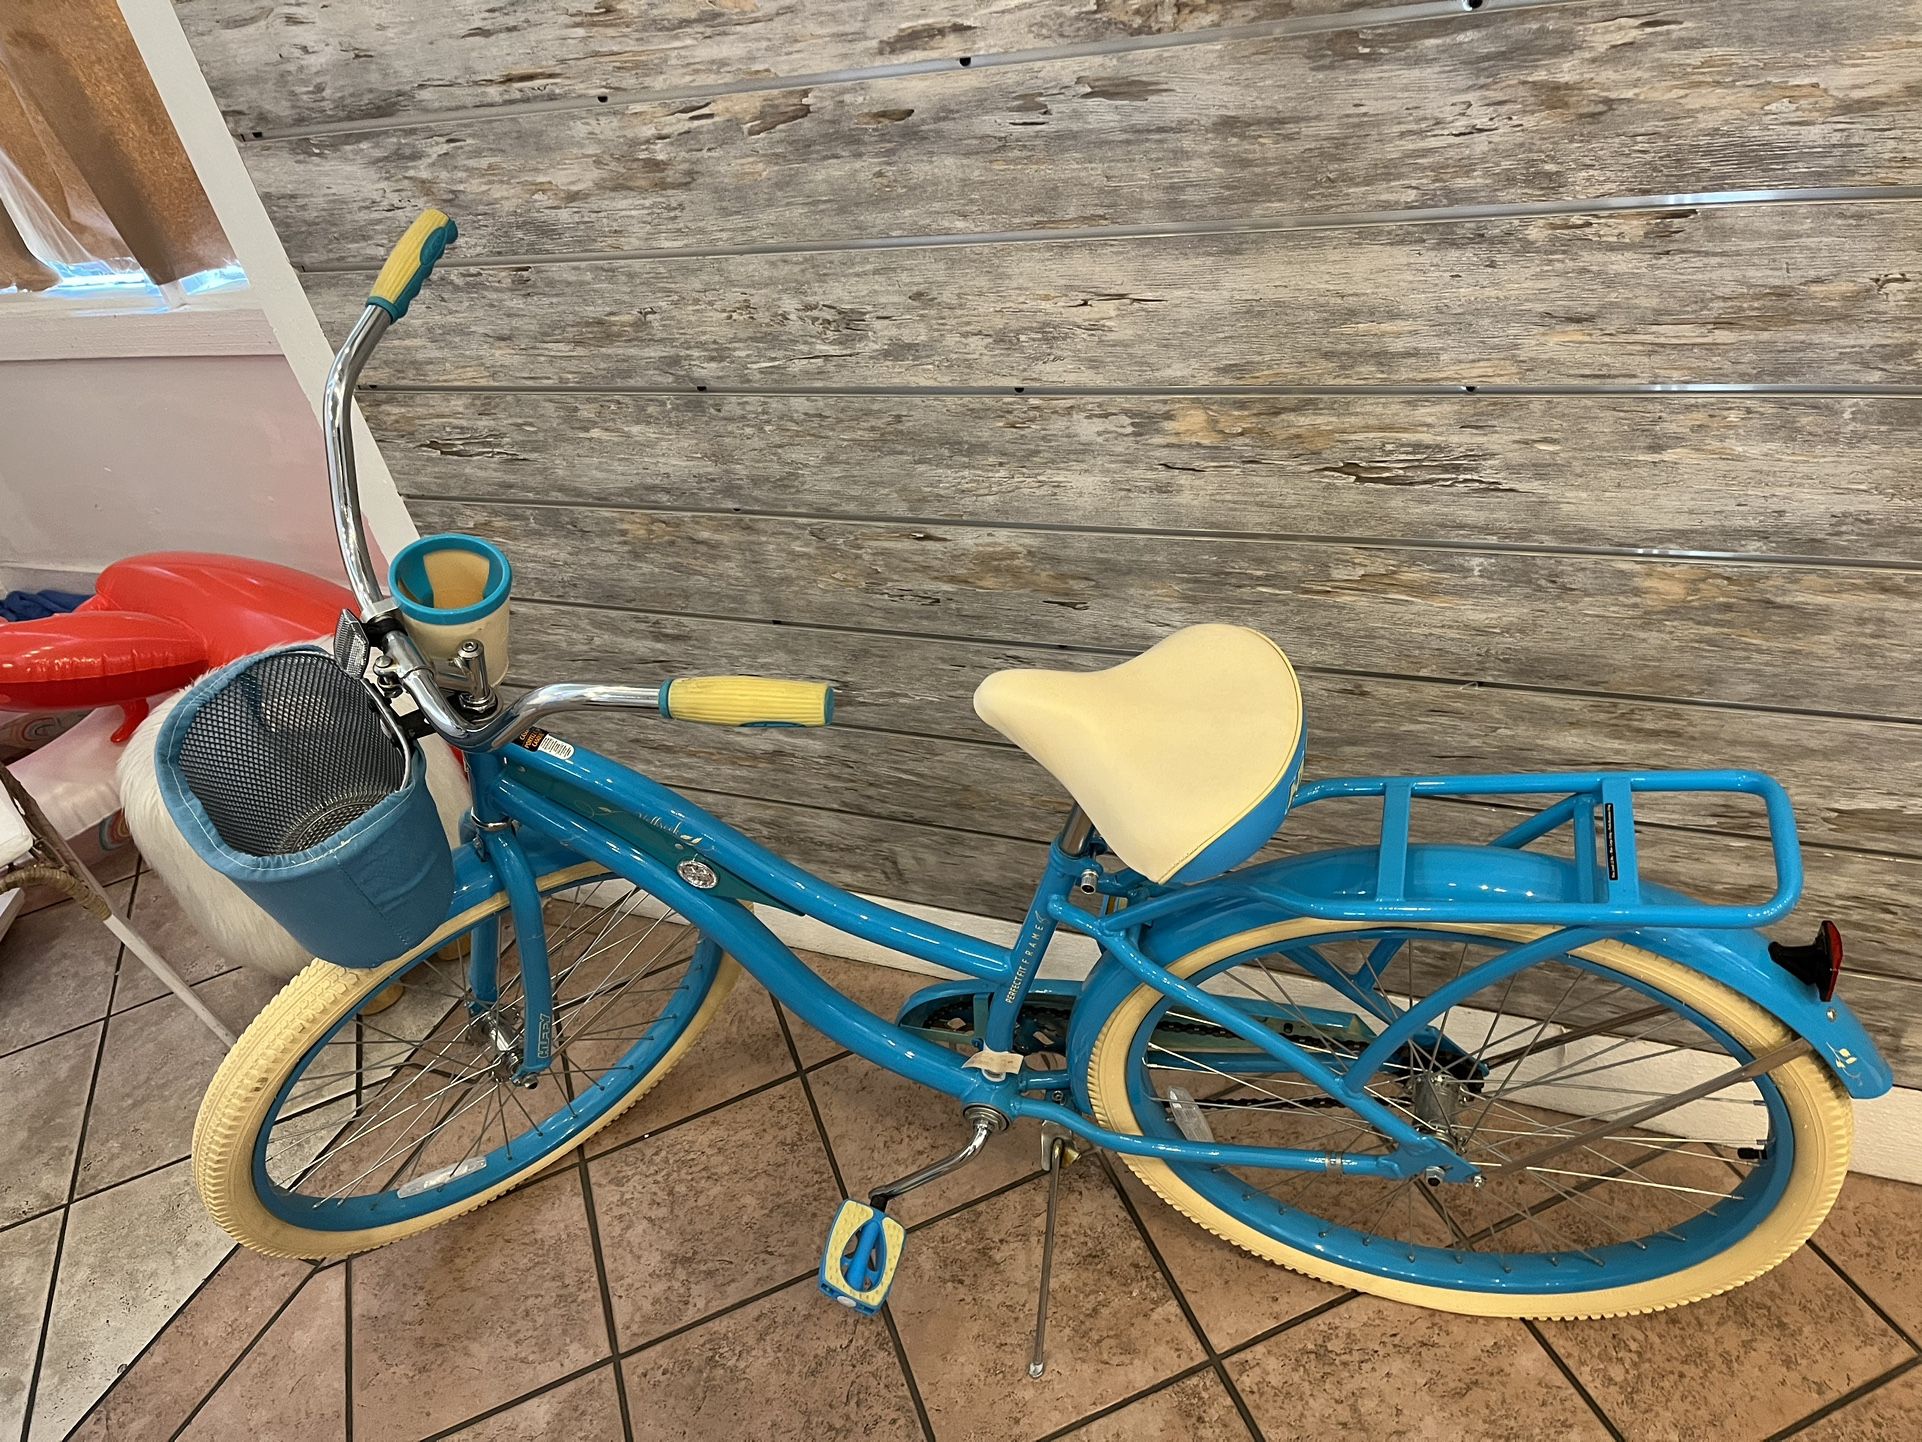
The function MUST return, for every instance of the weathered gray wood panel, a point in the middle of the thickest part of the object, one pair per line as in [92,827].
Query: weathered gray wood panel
[1768,293]
[1686,630]
[998,792]
[1829,476]
[1650,100]
[1855,783]
[305,62]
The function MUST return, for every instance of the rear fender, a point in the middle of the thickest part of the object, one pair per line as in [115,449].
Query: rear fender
[1737,959]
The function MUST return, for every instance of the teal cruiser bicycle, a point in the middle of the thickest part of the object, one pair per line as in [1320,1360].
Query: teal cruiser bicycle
[1511,1079]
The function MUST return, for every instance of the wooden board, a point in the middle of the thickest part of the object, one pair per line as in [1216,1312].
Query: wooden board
[1826,476]
[306,62]
[997,793]
[1659,99]
[1773,635]
[1751,293]
[1855,783]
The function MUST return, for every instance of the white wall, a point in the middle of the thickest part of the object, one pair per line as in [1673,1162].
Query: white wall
[105,458]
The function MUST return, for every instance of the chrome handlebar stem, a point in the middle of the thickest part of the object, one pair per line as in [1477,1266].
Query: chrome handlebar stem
[343,481]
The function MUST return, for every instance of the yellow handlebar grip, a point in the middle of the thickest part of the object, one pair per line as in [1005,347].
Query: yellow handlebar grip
[412,261]
[747,701]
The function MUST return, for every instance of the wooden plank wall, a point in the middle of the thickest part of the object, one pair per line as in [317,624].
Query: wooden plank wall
[1543,374]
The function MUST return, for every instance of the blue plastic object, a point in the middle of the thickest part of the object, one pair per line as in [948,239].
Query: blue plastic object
[862,1254]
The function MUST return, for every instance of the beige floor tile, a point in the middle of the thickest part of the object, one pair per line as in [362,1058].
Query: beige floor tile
[56,972]
[165,927]
[963,1297]
[1195,1410]
[1891,1413]
[1234,1294]
[712,1211]
[292,1386]
[202,1340]
[1875,1235]
[134,1254]
[883,1126]
[584,1410]
[26,1266]
[789,1365]
[474,1313]
[45,1087]
[741,1048]
[1374,1369]
[1734,1367]
[881,989]
[153,1073]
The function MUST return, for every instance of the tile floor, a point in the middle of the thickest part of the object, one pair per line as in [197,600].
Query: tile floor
[597,1304]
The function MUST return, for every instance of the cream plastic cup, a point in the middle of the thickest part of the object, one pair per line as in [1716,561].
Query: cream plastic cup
[451,589]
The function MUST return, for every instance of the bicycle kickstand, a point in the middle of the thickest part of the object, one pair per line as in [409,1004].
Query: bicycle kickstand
[1057,1150]
[864,1243]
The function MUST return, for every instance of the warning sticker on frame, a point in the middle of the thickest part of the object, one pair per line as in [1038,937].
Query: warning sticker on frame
[535,739]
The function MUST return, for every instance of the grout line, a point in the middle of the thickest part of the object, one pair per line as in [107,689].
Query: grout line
[1391,14]
[1568,1372]
[1630,390]
[719,1312]
[1668,554]
[1123,653]
[1288,1326]
[1181,1298]
[607,1297]
[693,1116]
[73,1183]
[127,1371]
[135,1177]
[1829,1409]
[1172,1379]
[113,1015]
[840,1184]
[1287,223]
[513,1402]
[969,1205]
[168,995]
[1856,1287]
[245,1352]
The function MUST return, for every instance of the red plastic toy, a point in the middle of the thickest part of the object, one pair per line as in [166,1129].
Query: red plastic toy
[155,623]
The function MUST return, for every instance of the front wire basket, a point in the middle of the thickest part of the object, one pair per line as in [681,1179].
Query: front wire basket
[290,752]
[291,776]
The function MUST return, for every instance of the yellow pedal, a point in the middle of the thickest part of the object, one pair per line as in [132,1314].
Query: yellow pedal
[859,1261]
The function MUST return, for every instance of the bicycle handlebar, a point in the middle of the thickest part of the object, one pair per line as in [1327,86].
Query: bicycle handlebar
[411,261]
[406,271]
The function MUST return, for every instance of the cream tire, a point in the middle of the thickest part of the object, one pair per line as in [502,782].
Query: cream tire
[241,1098]
[1819,1109]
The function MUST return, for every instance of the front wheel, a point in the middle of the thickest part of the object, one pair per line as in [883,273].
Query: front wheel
[1690,1203]
[364,1106]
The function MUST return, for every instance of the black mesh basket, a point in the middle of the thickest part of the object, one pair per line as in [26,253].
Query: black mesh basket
[290,776]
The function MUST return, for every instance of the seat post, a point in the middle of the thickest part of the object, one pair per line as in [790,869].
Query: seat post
[1075,832]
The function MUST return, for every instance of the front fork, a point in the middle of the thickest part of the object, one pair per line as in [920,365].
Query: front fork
[533,1050]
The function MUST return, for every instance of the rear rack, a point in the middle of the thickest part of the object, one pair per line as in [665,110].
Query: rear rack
[1601,887]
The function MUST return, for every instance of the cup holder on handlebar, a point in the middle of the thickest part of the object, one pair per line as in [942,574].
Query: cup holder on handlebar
[452,589]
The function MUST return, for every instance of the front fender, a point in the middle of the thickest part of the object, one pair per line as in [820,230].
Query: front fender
[1737,959]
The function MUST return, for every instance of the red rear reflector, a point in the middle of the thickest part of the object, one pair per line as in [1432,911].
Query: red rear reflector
[1819,963]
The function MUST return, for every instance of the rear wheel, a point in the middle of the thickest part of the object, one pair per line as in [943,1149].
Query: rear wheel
[347,1118]
[1689,1203]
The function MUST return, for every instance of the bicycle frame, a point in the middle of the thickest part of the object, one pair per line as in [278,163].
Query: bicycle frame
[528,829]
